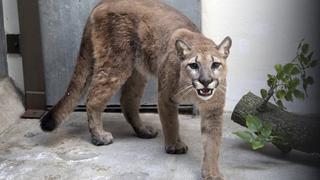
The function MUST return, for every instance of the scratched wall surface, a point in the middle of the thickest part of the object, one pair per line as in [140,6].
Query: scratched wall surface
[3,63]
[62,24]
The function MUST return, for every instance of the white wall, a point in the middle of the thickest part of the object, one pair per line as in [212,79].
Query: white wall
[11,26]
[264,33]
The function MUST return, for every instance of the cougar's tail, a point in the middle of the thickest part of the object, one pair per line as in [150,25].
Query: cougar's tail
[80,78]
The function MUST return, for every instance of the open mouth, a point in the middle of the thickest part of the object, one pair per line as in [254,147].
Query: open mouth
[205,92]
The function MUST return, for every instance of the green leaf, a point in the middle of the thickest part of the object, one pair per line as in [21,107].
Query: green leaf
[286,79]
[298,94]
[280,75]
[288,96]
[305,86]
[266,132]
[257,144]
[264,93]
[270,76]
[280,94]
[278,68]
[314,63]
[245,135]
[305,48]
[272,82]
[294,83]
[295,71]
[288,68]
[304,60]
[280,104]
[310,55]
[267,125]
[253,123]
[309,80]
[299,46]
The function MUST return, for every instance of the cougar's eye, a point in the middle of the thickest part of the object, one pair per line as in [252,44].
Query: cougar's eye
[193,66]
[215,65]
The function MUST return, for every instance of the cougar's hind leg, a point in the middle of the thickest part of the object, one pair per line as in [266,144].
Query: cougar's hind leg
[106,81]
[132,92]
[114,51]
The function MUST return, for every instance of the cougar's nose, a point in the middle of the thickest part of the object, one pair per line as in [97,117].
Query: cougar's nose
[206,82]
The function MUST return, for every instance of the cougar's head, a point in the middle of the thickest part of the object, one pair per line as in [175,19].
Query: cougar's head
[203,64]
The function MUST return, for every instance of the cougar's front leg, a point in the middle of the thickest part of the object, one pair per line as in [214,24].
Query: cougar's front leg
[211,132]
[168,112]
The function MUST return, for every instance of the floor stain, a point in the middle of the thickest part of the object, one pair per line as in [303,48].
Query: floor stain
[30,135]
[77,155]
[101,169]
[52,177]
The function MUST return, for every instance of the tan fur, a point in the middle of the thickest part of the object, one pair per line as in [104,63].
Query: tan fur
[124,42]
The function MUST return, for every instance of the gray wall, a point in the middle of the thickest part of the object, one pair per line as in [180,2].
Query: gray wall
[62,24]
[3,59]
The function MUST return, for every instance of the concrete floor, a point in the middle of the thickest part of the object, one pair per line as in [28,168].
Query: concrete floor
[28,153]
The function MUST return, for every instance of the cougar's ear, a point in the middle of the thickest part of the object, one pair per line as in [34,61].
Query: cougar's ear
[183,48]
[224,47]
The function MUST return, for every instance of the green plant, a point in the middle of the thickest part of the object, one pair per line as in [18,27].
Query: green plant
[286,83]
[258,133]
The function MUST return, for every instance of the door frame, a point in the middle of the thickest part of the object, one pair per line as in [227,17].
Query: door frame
[3,47]
[31,51]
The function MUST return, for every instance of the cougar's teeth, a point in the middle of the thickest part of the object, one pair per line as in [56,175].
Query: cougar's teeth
[205,92]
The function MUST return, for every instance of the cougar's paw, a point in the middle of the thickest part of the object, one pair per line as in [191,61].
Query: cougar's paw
[147,132]
[177,148]
[101,139]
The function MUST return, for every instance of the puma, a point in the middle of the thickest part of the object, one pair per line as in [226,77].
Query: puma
[123,43]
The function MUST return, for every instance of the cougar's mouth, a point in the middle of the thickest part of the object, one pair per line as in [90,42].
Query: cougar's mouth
[205,92]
